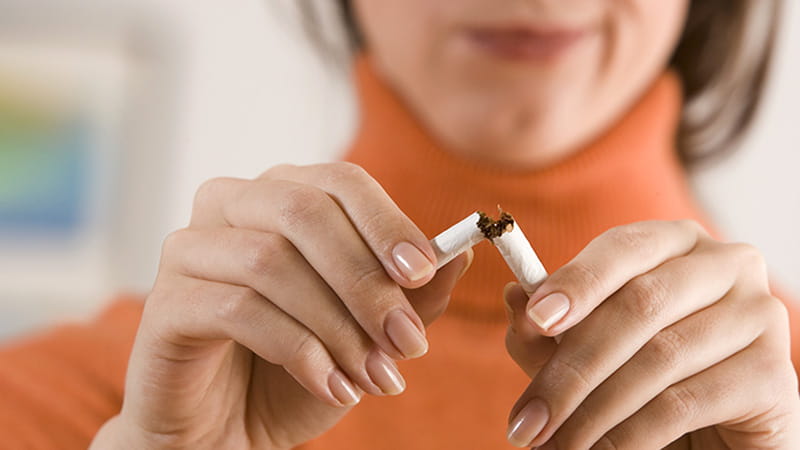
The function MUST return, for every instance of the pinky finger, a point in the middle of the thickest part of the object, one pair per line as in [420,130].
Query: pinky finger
[241,314]
[735,393]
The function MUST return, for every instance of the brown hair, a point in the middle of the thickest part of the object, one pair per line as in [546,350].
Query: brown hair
[722,58]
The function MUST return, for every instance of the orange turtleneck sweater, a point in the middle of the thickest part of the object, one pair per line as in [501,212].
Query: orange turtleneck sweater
[58,388]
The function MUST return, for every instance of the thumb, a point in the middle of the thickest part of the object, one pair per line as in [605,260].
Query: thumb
[529,349]
[431,300]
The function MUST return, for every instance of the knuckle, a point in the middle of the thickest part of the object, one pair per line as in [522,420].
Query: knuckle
[234,306]
[776,311]
[367,278]
[347,171]
[637,236]
[666,349]
[207,191]
[376,225]
[344,332]
[276,172]
[306,354]
[778,428]
[348,343]
[572,374]
[303,204]
[158,302]
[691,226]
[748,255]
[371,280]
[645,297]
[679,405]
[578,273]
[174,242]
[774,364]
[264,257]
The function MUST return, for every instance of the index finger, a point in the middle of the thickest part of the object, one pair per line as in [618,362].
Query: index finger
[605,265]
[395,240]
[314,225]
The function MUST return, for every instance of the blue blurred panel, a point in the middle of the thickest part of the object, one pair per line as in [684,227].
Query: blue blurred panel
[44,171]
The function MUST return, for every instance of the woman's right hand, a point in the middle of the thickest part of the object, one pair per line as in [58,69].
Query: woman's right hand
[285,299]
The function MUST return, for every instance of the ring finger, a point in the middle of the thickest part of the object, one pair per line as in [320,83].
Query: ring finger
[603,342]
[269,264]
[674,354]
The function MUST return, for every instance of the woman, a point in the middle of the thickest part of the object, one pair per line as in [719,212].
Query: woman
[287,300]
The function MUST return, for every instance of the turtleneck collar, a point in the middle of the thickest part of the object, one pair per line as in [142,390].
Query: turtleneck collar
[628,174]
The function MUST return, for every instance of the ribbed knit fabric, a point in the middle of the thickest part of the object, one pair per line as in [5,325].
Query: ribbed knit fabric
[460,394]
[59,387]
[629,174]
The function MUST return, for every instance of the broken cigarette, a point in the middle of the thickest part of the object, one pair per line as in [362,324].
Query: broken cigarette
[457,239]
[505,234]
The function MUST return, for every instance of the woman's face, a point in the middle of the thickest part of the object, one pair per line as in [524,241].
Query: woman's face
[519,82]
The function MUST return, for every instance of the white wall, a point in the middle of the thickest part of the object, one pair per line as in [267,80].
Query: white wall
[255,94]
[755,195]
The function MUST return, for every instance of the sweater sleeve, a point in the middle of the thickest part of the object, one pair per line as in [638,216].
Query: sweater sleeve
[59,387]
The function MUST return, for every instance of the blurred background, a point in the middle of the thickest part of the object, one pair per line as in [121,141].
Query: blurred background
[112,112]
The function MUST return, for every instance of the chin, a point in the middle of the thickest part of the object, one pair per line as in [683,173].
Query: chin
[514,136]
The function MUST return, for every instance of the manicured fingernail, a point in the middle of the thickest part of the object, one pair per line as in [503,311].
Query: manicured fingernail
[405,335]
[470,256]
[528,423]
[549,310]
[509,310]
[413,264]
[342,388]
[383,372]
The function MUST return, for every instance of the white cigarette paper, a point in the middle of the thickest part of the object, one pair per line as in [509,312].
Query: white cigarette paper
[505,234]
[456,239]
[521,259]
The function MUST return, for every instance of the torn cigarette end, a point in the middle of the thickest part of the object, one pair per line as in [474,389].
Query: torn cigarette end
[495,228]
[507,237]
[521,258]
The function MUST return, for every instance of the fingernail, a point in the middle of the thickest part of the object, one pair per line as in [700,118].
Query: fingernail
[470,256]
[549,310]
[509,310]
[528,423]
[405,335]
[342,388]
[383,372]
[413,264]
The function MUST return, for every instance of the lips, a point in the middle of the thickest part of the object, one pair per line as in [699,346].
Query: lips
[522,43]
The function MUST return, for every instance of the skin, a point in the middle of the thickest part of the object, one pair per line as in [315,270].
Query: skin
[518,113]
[665,336]
[698,348]
[255,306]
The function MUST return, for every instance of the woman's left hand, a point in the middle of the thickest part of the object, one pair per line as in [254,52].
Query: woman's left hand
[667,336]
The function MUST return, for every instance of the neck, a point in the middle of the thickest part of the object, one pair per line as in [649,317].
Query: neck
[517,134]
[628,173]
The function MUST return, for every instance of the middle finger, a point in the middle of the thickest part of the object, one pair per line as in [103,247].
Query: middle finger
[674,354]
[315,224]
[594,349]
[269,264]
